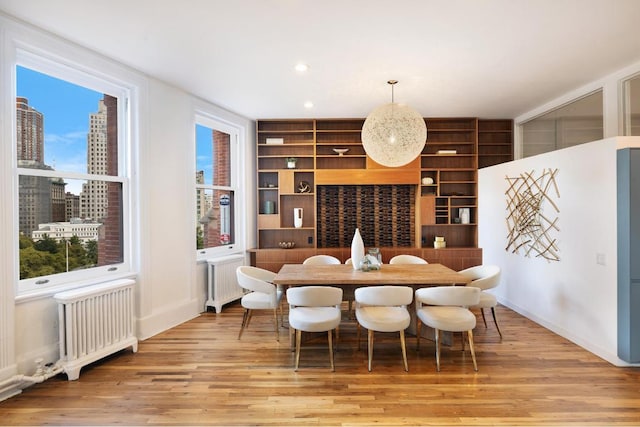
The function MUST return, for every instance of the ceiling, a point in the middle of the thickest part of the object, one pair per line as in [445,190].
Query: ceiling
[452,58]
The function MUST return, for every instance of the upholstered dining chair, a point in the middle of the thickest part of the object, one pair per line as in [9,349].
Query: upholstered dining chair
[383,309]
[444,308]
[262,294]
[485,277]
[314,309]
[407,259]
[321,260]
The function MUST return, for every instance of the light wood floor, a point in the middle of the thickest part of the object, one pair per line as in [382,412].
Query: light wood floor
[200,374]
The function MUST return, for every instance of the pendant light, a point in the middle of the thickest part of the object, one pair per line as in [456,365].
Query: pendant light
[394,134]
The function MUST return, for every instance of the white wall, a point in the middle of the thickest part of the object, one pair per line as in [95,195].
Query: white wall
[574,297]
[171,284]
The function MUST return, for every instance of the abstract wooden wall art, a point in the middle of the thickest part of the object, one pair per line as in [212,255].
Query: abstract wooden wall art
[532,214]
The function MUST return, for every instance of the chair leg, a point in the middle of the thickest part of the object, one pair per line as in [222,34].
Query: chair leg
[484,319]
[358,335]
[404,351]
[473,353]
[493,311]
[298,335]
[418,328]
[462,336]
[330,339]
[437,334]
[275,320]
[370,346]
[245,321]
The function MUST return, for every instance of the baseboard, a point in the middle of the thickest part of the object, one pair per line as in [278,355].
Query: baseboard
[166,319]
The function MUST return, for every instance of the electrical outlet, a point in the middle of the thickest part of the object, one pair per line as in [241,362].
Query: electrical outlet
[601,259]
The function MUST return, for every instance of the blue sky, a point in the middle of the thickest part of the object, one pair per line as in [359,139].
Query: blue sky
[66,108]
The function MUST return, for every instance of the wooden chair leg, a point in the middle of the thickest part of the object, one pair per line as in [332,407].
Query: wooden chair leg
[493,311]
[298,335]
[437,334]
[418,329]
[330,335]
[404,351]
[473,353]
[275,321]
[370,346]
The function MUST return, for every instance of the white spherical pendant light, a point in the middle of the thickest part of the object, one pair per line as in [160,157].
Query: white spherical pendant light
[394,134]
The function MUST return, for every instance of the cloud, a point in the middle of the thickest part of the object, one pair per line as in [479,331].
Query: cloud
[68,138]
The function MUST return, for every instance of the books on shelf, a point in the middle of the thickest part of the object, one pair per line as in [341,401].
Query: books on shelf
[447,152]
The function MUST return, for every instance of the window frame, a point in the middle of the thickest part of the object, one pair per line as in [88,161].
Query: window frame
[625,98]
[203,117]
[94,79]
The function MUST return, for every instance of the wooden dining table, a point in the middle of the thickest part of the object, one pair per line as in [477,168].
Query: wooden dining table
[345,276]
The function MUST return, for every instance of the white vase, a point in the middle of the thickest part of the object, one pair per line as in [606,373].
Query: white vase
[465,216]
[297,217]
[357,250]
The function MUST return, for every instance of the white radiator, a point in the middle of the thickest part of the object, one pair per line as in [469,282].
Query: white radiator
[223,282]
[95,322]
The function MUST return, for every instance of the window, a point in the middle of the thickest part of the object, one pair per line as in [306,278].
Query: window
[575,123]
[71,144]
[631,109]
[216,188]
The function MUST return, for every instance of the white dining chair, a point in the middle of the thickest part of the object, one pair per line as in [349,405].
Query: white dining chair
[383,309]
[262,295]
[444,308]
[321,260]
[314,309]
[485,277]
[407,259]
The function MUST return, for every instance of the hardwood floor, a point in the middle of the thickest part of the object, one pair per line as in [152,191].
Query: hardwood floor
[200,374]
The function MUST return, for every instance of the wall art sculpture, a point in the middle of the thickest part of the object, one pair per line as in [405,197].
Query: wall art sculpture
[532,214]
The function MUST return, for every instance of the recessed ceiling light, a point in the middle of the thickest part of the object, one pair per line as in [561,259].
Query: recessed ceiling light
[301,67]
[308,104]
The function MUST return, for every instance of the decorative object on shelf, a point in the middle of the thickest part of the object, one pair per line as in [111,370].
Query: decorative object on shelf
[465,216]
[269,207]
[304,187]
[394,134]
[357,250]
[529,221]
[291,162]
[444,152]
[297,217]
[340,151]
[286,245]
[274,141]
[439,243]
[427,180]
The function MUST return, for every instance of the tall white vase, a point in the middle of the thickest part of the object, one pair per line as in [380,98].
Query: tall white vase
[357,250]
[297,217]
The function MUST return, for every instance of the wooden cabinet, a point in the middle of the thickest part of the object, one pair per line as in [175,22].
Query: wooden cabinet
[495,142]
[329,154]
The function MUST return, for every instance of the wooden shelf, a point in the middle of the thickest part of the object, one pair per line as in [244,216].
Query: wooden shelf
[311,141]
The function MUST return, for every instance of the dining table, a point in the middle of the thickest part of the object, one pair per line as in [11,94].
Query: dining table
[345,276]
[348,278]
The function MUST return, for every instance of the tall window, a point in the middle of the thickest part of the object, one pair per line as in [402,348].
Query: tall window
[575,123]
[631,99]
[70,174]
[216,186]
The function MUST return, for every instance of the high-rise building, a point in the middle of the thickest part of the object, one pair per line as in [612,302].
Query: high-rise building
[34,195]
[93,198]
[30,131]
[72,206]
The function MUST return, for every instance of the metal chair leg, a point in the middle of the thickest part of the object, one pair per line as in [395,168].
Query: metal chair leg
[275,320]
[437,334]
[298,335]
[493,311]
[484,319]
[245,321]
[418,328]
[330,335]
